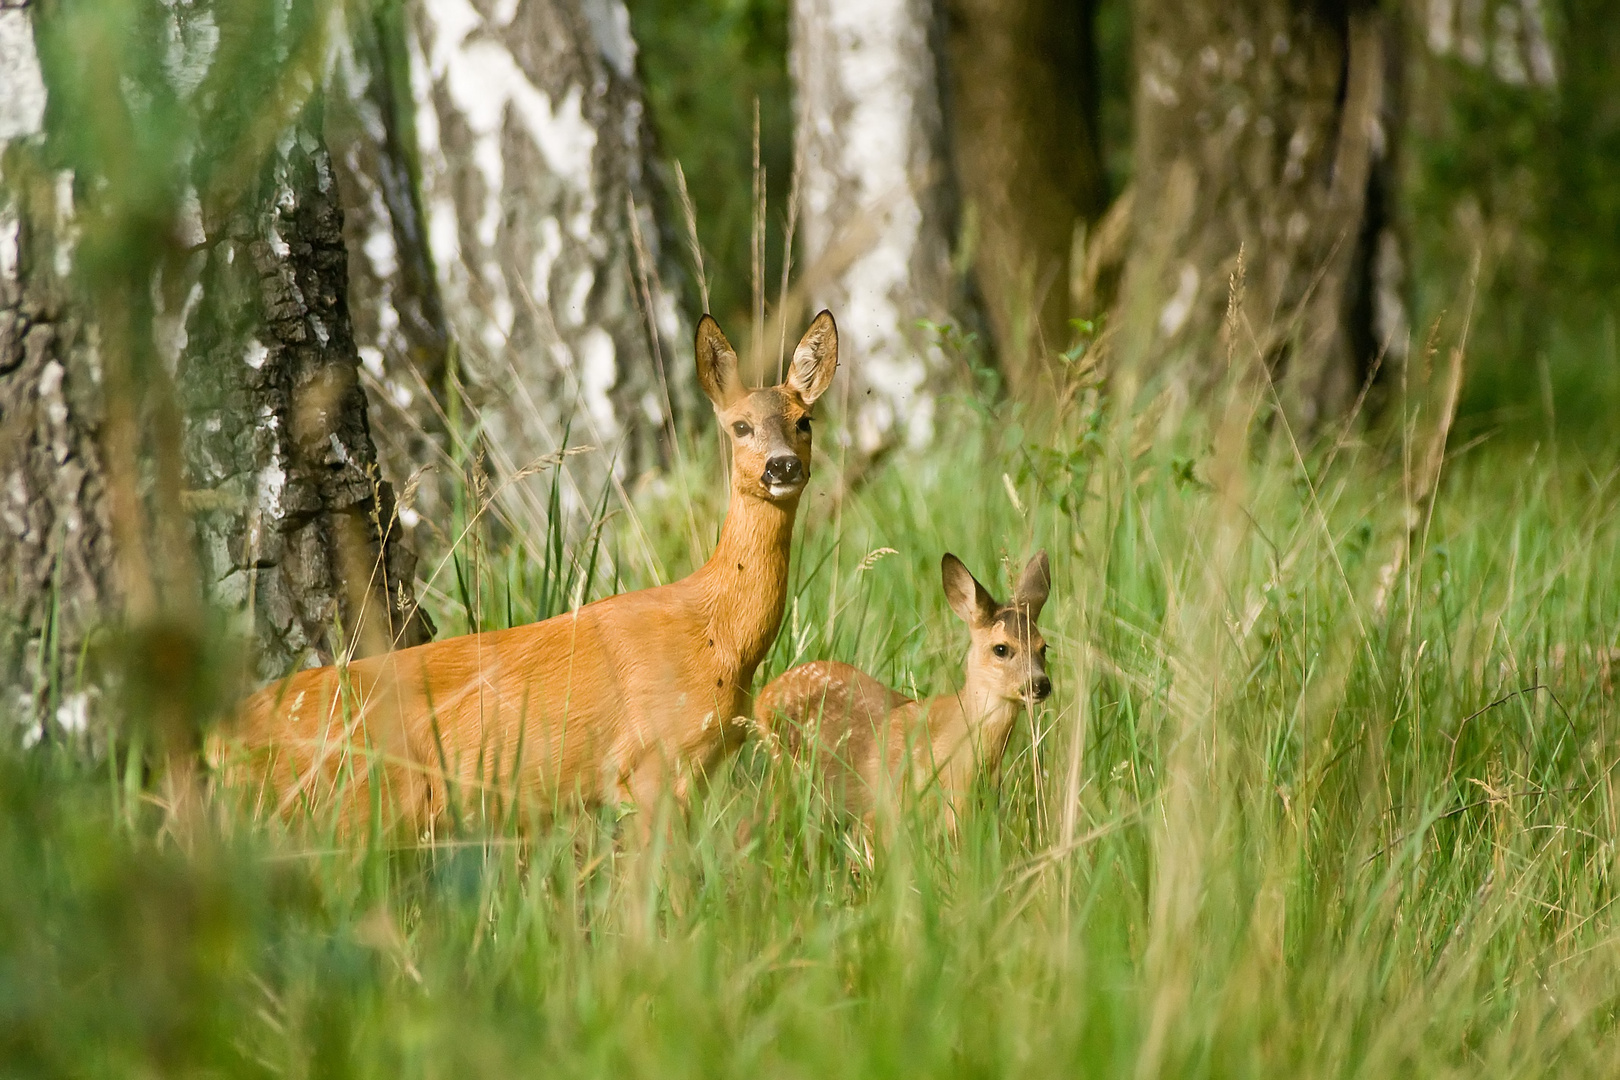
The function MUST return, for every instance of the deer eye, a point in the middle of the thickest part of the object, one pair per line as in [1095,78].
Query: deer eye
[1002,651]
[804,424]
[742,429]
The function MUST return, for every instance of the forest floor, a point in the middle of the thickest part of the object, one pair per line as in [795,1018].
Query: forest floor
[1326,788]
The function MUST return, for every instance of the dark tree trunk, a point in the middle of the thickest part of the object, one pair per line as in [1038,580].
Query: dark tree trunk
[180,414]
[395,303]
[293,515]
[56,577]
[1023,129]
[1261,128]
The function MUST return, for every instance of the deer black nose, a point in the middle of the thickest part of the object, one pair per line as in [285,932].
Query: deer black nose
[784,469]
[1043,688]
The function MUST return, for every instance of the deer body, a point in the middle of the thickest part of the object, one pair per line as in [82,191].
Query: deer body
[870,743]
[610,702]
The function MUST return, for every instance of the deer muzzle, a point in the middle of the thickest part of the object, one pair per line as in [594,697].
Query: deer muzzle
[783,473]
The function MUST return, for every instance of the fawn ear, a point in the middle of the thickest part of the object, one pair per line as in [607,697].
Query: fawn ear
[717,365]
[1033,586]
[815,359]
[963,592]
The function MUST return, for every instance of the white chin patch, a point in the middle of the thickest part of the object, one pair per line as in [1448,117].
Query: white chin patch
[779,491]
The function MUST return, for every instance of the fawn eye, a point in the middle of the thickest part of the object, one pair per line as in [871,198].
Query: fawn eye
[804,424]
[741,429]
[1002,651]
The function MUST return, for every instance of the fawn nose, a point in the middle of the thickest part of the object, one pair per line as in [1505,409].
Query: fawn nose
[784,469]
[1042,688]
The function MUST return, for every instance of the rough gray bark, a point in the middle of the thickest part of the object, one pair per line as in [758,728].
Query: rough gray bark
[1261,126]
[1024,138]
[526,121]
[395,304]
[55,545]
[878,201]
[293,516]
[235,306]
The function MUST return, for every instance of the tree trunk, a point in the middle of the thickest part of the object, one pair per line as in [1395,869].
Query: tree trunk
[1261,128]
[521,123]
[181,413]
[55,543]
[878,202]
[1023,110]
[294,518]
[395,303]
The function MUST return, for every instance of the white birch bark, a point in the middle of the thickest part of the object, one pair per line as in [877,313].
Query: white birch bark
[395,304]
[288,515]
[875,176]
[295,523]
[527,123]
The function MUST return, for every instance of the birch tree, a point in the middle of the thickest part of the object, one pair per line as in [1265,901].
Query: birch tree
[294,517]
[1508,194]
[396,307]
[55,540]
[495,158]
[184,429]
[878,207]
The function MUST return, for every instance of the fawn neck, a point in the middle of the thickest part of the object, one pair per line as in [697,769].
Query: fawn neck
[975,720]
[744,583]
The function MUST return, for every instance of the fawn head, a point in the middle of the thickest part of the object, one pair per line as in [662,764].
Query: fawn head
[1008,655]
[769,427]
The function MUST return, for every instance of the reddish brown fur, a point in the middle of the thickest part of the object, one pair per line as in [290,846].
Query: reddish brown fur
[609,702]
[868,742]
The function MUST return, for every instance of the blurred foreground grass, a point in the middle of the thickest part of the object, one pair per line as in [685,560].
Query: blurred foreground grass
[1301,805]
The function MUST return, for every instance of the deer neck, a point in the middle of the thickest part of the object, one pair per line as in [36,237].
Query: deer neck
[744,583]
[969,730]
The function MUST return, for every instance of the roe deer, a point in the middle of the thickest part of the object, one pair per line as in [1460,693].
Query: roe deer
[866,739]
[608,702]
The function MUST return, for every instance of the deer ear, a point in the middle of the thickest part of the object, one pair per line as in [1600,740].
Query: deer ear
[963,592]
[717,365]
[815,359]
[1034,584]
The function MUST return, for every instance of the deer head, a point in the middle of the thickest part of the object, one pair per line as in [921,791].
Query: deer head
[769,428]
[1007,657]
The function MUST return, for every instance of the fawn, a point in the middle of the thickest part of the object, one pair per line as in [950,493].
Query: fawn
[866,740]
[610,702]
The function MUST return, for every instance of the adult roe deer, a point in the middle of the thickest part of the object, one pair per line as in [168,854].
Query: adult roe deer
[608,702]
[867,740]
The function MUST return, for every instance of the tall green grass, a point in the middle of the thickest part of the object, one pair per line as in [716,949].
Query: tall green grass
[1325,789]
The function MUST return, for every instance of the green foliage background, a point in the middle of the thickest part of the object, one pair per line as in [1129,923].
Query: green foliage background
[704,64]
[1541,166]
[1542,170]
